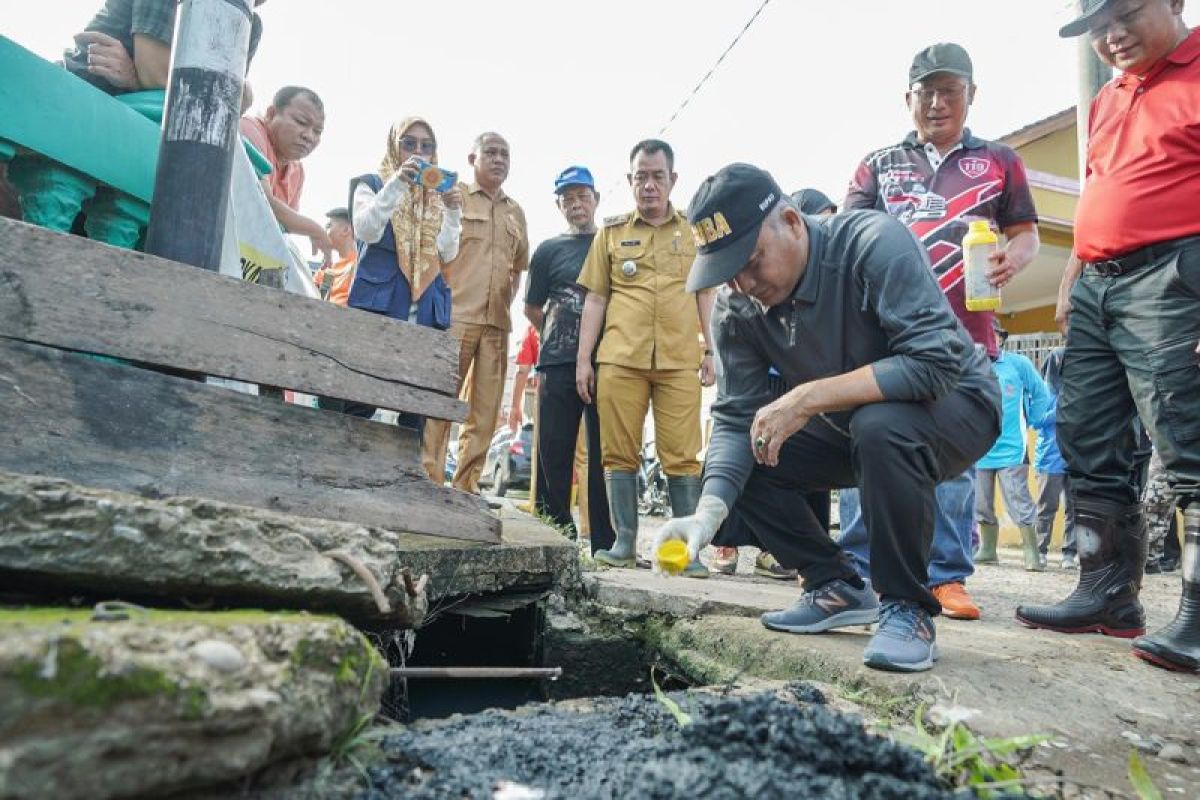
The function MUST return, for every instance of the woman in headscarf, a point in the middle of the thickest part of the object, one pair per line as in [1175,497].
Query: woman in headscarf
[406,233]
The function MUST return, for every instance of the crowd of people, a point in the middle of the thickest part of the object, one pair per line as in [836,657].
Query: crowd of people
[839,340]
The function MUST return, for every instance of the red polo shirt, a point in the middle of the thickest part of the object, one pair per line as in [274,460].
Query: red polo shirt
[1143,158]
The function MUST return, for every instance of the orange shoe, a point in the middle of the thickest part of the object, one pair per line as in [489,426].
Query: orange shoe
[956,603]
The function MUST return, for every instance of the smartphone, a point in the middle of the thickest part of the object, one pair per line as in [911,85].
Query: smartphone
[431,176]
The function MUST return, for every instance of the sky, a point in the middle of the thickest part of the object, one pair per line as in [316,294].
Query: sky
[810,89]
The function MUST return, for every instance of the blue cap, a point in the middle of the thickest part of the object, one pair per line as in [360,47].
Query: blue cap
[574,176]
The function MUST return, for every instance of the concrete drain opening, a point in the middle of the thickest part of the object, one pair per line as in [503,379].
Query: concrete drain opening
[529,632]
[606,732]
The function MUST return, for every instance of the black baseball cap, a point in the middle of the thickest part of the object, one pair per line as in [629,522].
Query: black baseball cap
[1089,10]
[940,57]
[338,213]
[813,201]
[726,214]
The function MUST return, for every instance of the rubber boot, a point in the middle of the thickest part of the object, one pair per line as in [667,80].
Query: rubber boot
[685,494]
[1112,558]
[1177,646]
[1029,549]
[623,509]
[989,535]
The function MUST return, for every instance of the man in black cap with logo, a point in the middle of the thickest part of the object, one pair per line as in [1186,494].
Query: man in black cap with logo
[890,395]
[936,180]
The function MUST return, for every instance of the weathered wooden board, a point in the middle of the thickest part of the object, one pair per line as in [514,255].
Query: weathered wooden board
[76,294]
[120,427]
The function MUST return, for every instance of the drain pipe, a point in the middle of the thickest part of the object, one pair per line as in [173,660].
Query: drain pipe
[477,673]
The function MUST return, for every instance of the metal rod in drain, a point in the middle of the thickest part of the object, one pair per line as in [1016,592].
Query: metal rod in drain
[475,673]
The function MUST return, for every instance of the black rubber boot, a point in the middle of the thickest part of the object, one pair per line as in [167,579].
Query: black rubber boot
[1112,557]
[1177,646]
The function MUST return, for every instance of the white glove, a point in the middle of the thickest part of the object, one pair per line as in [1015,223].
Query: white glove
[698,529]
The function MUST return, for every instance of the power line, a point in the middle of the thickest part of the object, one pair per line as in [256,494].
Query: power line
[700,84]
[713,69]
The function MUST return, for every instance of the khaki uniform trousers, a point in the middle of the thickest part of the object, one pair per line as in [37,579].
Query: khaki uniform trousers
[625,394]
[482,362]
[581,482]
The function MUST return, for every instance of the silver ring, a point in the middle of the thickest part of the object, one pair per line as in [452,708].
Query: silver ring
[760,443]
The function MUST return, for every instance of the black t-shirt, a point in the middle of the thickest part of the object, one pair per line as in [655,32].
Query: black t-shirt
[553,271]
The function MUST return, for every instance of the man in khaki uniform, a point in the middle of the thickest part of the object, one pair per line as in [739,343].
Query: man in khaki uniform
[492,253]
[635,274]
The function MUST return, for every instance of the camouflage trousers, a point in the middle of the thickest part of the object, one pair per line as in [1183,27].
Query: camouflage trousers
[1158,505]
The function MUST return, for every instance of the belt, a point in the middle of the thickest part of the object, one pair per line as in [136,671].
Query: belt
[1135,259]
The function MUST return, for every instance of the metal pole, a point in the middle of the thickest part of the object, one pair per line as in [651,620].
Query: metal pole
[477,673]
[1093,74]
[200,130]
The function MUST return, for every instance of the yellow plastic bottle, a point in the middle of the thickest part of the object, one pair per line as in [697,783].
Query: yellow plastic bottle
[673,557]
[978,245]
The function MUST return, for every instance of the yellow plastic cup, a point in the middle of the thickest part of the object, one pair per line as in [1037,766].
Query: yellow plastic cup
[673,557]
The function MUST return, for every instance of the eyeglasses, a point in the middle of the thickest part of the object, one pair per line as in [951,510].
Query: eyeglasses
[413,145]
[950,94]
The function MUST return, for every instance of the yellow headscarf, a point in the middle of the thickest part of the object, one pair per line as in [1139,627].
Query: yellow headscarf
[418,219]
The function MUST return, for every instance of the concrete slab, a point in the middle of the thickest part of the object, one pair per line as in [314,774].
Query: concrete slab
[1088,692]
[531,556]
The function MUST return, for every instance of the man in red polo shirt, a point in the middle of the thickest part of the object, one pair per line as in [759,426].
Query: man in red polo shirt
[1133,301]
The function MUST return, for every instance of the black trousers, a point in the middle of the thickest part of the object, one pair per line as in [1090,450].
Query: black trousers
[1131,349]
[559,410]
[734,531]
[895,453]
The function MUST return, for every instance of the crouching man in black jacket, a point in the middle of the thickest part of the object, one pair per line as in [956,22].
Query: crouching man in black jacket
[890,396]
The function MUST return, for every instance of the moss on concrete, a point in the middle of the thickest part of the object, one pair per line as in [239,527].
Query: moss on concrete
[73,675]
[77,697]
[68,673]
[42,617]
[348,666]
[718,650]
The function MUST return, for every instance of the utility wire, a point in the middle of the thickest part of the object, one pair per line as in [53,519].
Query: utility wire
[700,84]
[713,69]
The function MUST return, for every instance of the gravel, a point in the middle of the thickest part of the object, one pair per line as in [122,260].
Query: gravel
[766,745]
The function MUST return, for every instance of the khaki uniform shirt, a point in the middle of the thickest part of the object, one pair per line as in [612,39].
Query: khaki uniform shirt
[494,246]
[651,321]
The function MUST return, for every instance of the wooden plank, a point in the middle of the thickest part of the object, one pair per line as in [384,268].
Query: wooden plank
[115,426]
[76,294]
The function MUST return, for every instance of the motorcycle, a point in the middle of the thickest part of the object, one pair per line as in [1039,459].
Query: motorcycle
[653,497]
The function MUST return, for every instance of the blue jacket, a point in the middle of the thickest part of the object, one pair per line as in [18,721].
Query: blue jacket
[379,285]
[1026,401]
[1047,457]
